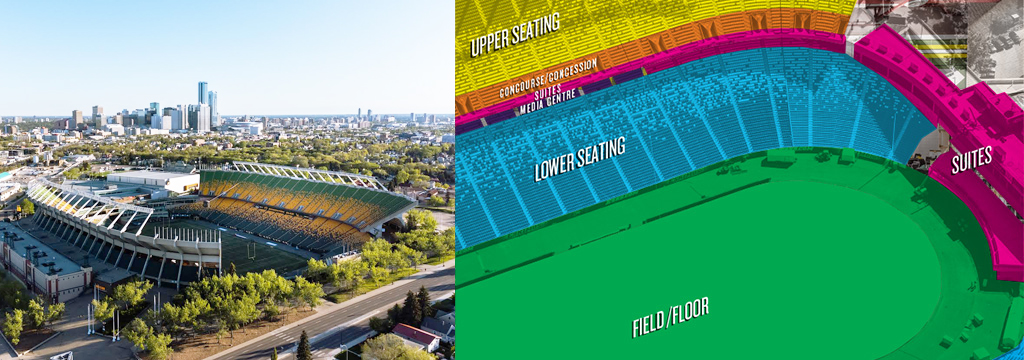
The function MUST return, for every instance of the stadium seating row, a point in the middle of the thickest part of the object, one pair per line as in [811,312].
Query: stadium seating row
[359,207]
[315,234]
[675,121]
[642,29]
[662,60]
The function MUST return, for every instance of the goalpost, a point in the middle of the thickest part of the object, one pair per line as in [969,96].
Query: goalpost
[250,251]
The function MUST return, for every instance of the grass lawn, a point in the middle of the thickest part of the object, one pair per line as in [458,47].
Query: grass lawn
[367,286]
[267,257]
[437,260]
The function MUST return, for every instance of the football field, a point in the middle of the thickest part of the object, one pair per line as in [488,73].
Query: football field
[814,259]
[235,248]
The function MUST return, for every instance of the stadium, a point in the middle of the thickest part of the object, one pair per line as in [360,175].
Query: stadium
[247,215]
[765,165]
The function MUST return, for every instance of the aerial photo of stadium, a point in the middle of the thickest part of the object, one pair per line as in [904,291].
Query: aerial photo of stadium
[250,216]
[766,174]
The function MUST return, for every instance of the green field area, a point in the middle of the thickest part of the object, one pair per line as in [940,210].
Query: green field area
[234,249]
[860,260]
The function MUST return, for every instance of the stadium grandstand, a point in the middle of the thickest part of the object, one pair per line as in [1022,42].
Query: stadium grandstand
[112,233]
[325,212]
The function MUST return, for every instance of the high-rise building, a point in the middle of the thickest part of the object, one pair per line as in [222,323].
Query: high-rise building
[369,114]
[412,117]
[360,113]
[163,122]
[202,92]
[179,118]
[154,106]
[214,116]
[97,116]
[76,120]
[140,117]
[199,118]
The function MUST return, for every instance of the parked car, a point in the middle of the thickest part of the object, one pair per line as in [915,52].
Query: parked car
[1014,38]
[997,46]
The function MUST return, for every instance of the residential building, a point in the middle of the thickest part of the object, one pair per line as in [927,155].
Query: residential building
[417,338]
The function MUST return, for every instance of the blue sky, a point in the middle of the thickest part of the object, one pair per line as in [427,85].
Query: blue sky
[262,57]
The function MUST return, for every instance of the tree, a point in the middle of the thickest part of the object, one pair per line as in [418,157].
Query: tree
[27,207]
[300,161]
[436,201]
[137,332]
[158,346]
[381,325]
[394,313]
[303,352]
[221,333]
[55,313]
[231,268]
[423,297]
[36,314]
[102,310]
[309,292]
[391,347]
[378,274]
[347,272]
[416,354]
[412,313]
[445,245]
[172,318]
[274,355]
[13,326]
[402,177]
[317,271]
[131,293]
[384,347]
[420,219]
[412,256]
[242,311]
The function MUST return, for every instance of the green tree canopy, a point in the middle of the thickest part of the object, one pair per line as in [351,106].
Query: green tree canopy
[13,326]
[131,293]
[27,207]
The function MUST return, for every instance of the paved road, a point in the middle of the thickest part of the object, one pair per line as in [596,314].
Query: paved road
[354,316]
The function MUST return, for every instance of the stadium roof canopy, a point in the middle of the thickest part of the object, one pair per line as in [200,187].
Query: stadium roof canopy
[151,175]
[313,174]
[86,206]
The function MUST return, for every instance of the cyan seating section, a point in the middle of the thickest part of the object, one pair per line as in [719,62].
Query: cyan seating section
[677,120]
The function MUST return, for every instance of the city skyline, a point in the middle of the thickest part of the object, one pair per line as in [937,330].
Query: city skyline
[274,59]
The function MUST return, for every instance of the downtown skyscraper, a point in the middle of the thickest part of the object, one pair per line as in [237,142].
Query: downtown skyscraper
[202,92]
[97,116]
[76,120]
[214,115]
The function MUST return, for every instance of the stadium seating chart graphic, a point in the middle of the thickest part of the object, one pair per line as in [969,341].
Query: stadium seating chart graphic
[697,87]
